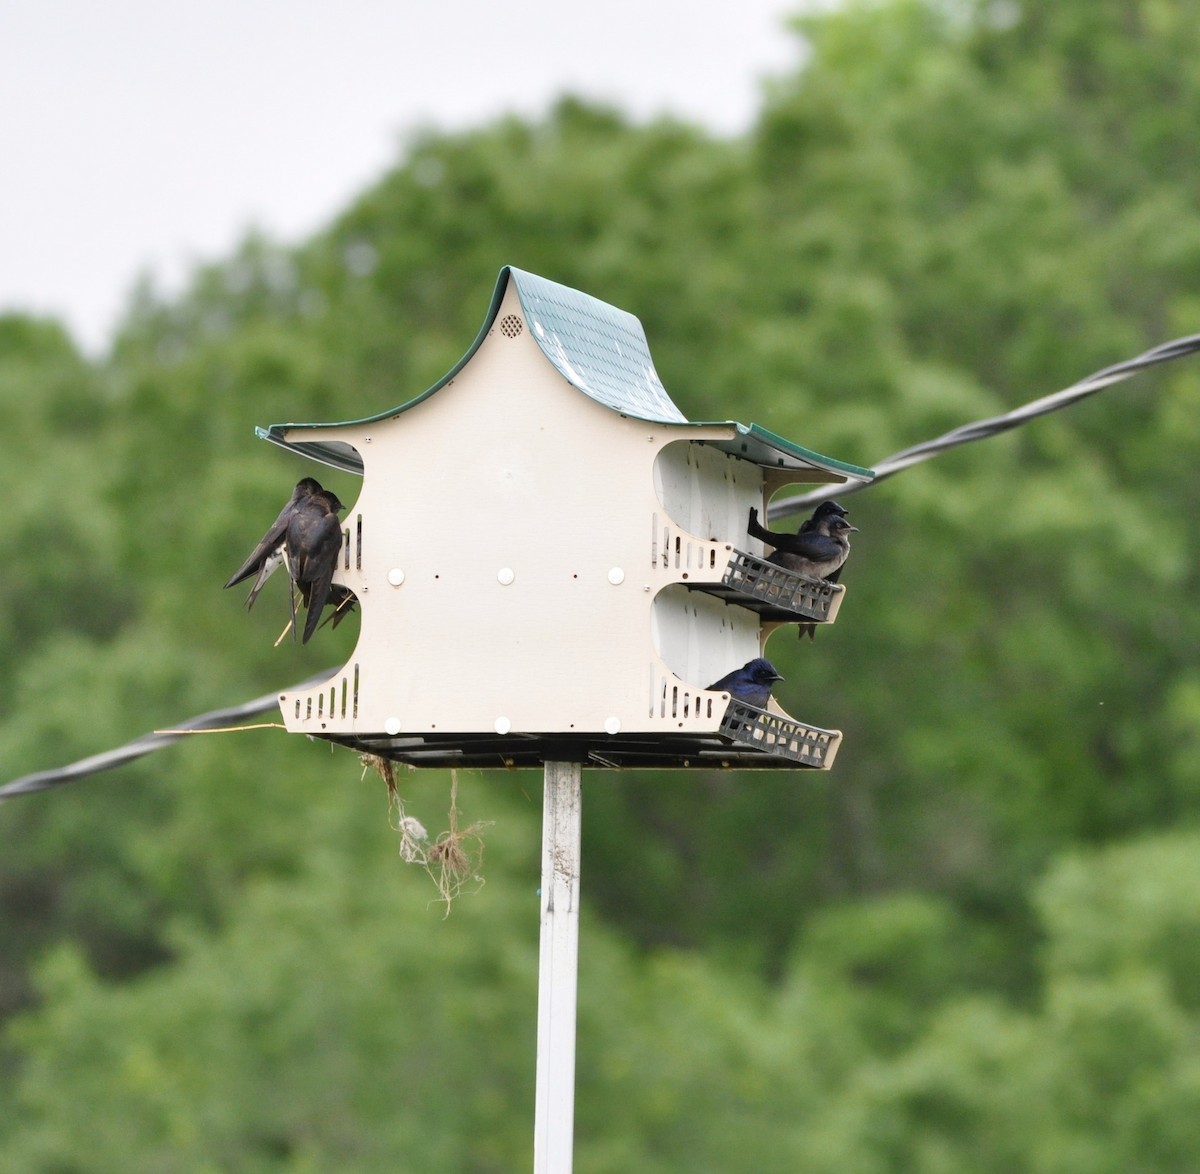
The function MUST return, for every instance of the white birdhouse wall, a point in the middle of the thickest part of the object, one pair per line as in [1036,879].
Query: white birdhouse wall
[522,554]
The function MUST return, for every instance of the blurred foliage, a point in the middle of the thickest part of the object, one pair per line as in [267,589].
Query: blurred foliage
[971,946]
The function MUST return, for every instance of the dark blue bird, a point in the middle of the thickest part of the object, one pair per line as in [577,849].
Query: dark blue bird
[827,509]
[751,683]
[818,549]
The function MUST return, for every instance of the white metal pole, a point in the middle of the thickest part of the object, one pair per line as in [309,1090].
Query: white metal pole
[558,969]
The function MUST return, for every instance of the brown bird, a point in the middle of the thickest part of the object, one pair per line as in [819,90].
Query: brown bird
[268,554]
[312,545]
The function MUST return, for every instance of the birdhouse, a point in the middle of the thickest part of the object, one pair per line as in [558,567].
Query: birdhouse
[552,563]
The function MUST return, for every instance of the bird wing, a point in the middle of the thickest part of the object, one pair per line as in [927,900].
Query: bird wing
[725,683]
[266,569]
[316,555]
[270,541]
[815,547]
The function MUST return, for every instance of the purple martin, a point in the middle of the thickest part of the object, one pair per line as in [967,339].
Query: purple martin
[825,510]
[268,554]
[751,683]
[342,600]
[313,542]
[818,549]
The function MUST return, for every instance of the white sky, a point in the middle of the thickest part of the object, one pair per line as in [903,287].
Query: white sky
[147,135]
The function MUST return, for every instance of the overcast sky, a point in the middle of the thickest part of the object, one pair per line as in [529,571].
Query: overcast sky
[143,135]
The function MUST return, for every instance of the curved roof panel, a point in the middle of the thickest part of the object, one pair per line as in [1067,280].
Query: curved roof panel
[599,350]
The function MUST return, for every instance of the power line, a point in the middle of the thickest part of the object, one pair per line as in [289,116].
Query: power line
[980,430]
[43,780]
[904,459]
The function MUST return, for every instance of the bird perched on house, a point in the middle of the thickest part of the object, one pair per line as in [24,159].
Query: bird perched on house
[268,554]
[342,600]
[312,543]
[751,683]
[825,509]
[818,549]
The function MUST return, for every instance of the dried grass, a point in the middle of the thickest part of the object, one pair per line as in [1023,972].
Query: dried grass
[453,861]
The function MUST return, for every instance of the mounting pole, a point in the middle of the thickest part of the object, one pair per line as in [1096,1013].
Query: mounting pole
[558,970]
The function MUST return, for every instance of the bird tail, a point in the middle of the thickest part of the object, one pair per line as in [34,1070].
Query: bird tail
[318,593]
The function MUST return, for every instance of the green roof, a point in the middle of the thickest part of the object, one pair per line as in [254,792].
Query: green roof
[602,352]
[597,348]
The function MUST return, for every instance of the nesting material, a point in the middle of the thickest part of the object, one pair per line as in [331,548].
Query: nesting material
[453,860]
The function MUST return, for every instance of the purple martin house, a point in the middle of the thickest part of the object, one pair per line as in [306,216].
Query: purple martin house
[551,561]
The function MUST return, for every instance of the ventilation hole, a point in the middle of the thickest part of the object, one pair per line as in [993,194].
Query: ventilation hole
[358,550]
[356,691]
[511,326]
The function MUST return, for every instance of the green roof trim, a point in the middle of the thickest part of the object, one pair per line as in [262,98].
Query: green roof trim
[601,351]
[763,447]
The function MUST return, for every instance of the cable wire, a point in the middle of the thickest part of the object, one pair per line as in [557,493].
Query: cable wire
[43,780]
[904,459]
[981,429]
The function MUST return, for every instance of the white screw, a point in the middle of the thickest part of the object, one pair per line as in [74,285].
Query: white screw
[616,575]
[391,727]
[395,576]
[503,725]
[506,575]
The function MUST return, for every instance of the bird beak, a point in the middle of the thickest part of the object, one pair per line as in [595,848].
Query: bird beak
[856,529]
[778,677]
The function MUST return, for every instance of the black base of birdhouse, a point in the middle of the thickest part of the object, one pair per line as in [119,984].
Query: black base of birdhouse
[750,739]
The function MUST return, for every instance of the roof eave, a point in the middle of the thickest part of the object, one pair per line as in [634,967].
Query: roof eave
[754,443]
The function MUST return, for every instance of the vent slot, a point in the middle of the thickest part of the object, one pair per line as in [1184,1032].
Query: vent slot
[336,700]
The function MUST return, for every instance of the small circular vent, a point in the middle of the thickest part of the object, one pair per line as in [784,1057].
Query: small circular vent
[511,326]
